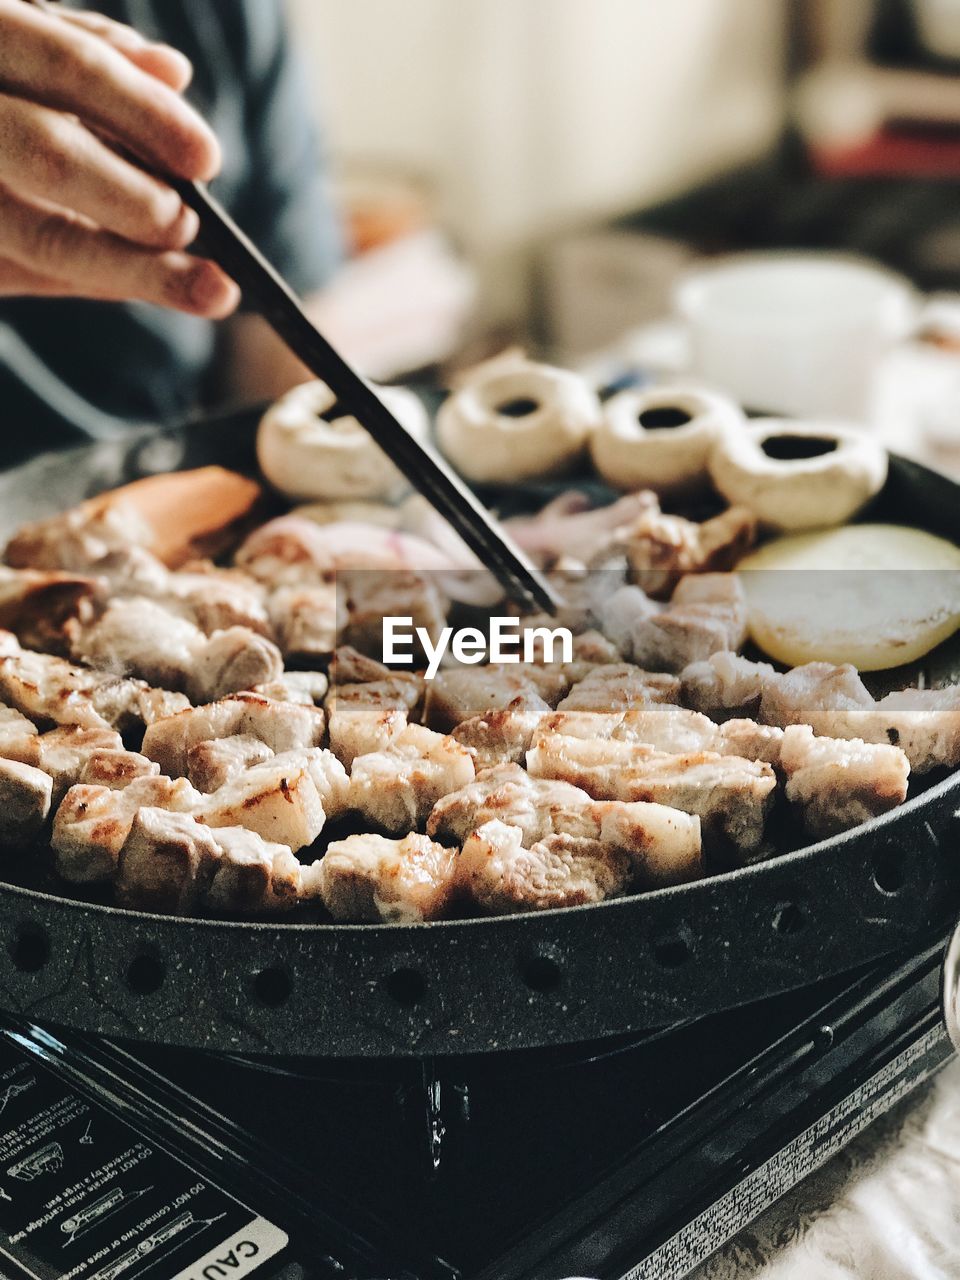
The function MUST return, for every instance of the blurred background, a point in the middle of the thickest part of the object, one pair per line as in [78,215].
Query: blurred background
[542,173]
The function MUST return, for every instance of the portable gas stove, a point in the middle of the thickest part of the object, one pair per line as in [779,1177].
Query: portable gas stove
[630,1158]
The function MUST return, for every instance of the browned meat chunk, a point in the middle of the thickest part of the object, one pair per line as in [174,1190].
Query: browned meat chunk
[25,800]
[396,788]
[615,686]
[502,736]
[461,693]
[501,876]
[211,765]
[371,878]
[663,548]
[706,615]
[281,726]
[839,783]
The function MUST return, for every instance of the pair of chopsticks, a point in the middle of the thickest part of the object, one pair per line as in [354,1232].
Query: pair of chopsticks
[268,293]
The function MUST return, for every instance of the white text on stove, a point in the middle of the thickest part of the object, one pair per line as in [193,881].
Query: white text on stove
[504,643]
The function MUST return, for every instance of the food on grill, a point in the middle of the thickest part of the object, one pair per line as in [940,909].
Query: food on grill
[172,863]
[662,844]
[25,800]
[139,637]
[513,420]
[370,877]
[93,822]
[834,702]
[731,796]
[155,732]
[177,517]
[397,787]
[281,726]
[308,451]
[794,475]
[286,799]
[661,437]
[875,595]
[500,875]
[706,614]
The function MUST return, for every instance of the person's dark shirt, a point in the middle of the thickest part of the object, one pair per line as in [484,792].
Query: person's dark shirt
[72,370]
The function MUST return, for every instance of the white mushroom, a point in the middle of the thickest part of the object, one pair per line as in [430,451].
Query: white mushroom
[795,475]
[515,420]
[661,437]
[307,455]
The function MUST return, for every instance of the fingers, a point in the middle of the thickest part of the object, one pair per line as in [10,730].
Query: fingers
[62,65]
[17,281]
[158,60]
[53,157]
[93,263]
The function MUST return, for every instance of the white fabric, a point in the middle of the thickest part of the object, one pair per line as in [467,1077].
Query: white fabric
[886,1208]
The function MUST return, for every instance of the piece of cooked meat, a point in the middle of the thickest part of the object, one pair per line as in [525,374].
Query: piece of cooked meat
[839,783]
[617,685]
[725,686]
[663,548]
[370,878]
[36,604]
[367,598]
[461,693]
[116,768]
[731,796]
[834,702]
[211,765]
[361,728]
[281,726]
[63,753]
[286,799]
[25,801]
[502,736]
[172,863]
[707,614]
[397,788]
[569,527]
[663,844]
[307,687]
[501,876]
[356,678]
[92,822]
[138,636]
[77,539]
[165,861]
[305,620]
[14,727]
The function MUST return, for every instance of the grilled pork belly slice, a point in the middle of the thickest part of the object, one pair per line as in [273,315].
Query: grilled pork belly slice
[14,727]
[306,687]
[211,765]
[834,702]
[63,752]
[501,876]
[372,878]
[37,604]
[362,728]
[461,693]
[286,799]
[305,620]
[93,822]
[171,863]
[667,727]
[25,802]
[165,862]
[502,736]
[569,527]
[370,597]
[707,614]
[615,686]
[397,788]
[281,726]
[731,796]
[140,637]
[841,783]
[116,768]
[662,548]
[663,844]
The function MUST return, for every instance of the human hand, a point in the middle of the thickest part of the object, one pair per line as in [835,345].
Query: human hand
[78,219]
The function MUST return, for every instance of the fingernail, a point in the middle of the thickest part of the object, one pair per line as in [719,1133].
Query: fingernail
[180,60]
[188,227]
[211,292]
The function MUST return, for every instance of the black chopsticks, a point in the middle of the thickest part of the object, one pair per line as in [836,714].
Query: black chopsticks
[266,292]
